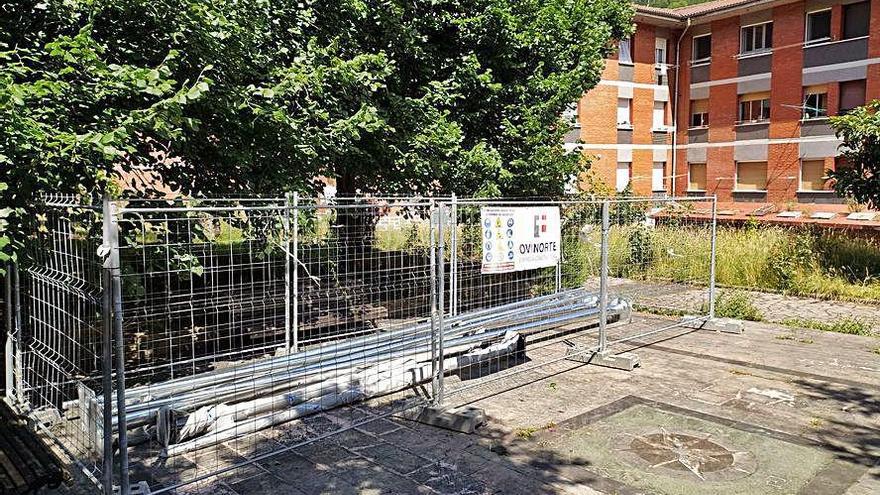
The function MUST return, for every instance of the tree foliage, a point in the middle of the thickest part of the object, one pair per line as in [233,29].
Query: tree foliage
[859,177]
[243,96]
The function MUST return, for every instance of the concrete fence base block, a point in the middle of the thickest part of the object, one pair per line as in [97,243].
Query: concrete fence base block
[722,325]
[624,361]
[463,420]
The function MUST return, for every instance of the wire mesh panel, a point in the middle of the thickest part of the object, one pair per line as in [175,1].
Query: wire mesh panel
[536,268]
[58,345]
[173,341]
[249,328]
[660,259]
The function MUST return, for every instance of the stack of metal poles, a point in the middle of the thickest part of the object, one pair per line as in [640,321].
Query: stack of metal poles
[285,387]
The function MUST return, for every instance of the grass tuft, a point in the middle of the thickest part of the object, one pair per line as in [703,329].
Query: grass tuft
[847,325]
[737,305]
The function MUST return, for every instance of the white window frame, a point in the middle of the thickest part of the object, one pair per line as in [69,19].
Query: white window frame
[742,120]
[617,171]
[661,44]
[753,50]
[807,40]
[661,187]
[630,43]
[736,177]
[627,124]
[817,117]
[700,61]
[654,114]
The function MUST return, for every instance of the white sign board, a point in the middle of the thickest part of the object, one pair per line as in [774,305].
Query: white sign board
[519,238]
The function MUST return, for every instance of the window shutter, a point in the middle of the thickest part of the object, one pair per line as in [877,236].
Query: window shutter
[812,173]
[764,95]
[697,177]
[751,176]
[852,94]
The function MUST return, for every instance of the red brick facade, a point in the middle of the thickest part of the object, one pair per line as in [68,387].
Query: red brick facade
[733,148]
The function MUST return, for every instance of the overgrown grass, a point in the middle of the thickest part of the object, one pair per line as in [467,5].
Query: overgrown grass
[737,305]
[806,262]
[847,325]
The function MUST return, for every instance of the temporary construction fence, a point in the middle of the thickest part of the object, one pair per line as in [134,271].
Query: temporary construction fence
[165,342]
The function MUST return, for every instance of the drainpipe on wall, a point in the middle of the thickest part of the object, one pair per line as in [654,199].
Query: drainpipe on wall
[675,107]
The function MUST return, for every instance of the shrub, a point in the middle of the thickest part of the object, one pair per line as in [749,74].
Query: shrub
[737,305]
[641,247]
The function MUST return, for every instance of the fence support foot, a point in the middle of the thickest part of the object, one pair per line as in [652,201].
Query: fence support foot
[721,325]
[464,420]
[626,361]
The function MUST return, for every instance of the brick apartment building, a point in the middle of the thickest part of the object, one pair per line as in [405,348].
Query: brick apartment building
[750,84]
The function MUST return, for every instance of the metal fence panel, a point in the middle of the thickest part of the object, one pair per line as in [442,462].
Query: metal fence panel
[210,334]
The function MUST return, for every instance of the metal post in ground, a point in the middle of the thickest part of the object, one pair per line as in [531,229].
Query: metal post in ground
[285,223]
[107,356]
[16,323]
[603,277]
[453,257]
[432,255]
[8,355]
[441,262]
[295,273]
[712,258]
[112,266]
[602,357]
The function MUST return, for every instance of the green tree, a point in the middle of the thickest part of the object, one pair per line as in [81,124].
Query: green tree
[859,177]
[219,96]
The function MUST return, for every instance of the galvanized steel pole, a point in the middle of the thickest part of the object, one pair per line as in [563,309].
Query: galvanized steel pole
[295,295]
[603,277]
[285,222]
[712,257]
[432,254]
[112,265]
[441,292]
[7,352]
[107,353]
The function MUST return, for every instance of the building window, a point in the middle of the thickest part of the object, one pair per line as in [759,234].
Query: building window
[756,38]
[852,95]
[751,176]
[659,115]
[815,102]
[624,173]
[696,177]
[754,107]
[662,76]
[624,112]
[570,115]
[657,173]
[818,26]
[624,52]
[812,175]
[856,17]
[699,113]
[702,48]
[660,51]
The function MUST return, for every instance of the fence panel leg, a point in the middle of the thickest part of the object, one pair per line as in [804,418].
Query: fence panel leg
[603,278]
[441,291]
[712,258]
[112,268]
[8,354]
[432,256]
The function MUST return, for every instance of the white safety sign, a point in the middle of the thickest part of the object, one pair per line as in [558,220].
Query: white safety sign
[519,238]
